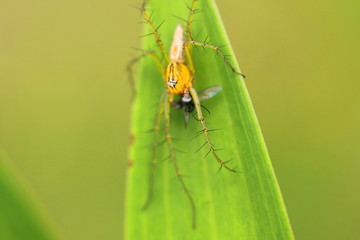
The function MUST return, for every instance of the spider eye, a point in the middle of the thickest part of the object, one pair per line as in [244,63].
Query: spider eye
[172,83]
[186,98]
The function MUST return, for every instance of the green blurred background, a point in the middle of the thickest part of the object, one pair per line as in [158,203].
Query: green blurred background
[64,106]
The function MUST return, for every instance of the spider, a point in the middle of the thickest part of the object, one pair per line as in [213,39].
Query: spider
[178,75]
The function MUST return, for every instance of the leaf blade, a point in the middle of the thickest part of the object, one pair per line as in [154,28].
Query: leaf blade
[20,218]
[230,206]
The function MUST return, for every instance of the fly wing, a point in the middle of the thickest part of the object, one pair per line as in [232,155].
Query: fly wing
[209,92]
[186,117]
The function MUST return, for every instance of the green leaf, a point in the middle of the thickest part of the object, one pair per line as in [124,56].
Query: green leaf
[20,218]
[247,205]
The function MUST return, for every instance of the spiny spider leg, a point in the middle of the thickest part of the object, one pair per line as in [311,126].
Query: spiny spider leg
[155,145]
[130,65]
[190,37]
[154,31]
[218,50]
[205,129]
[179,175]
[190,19]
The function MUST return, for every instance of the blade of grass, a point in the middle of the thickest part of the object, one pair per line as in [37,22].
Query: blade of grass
[19,217]
[229,206]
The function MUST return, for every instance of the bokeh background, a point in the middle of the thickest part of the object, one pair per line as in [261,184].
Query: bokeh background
[65,106]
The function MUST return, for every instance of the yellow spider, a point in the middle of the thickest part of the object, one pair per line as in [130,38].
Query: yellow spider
[178,75]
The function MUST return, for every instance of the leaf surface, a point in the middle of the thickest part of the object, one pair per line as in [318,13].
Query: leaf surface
[247,205]
[20,217]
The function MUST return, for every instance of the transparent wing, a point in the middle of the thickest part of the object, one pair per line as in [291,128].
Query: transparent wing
[186,117]
[209,92]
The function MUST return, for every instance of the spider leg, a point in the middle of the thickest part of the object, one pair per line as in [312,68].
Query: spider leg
[132,62]
[218,50]
[205,130]
[155,146]
[193,10]
[154,31]
[179,175]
